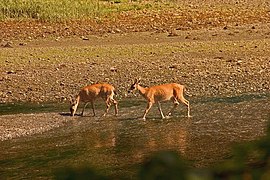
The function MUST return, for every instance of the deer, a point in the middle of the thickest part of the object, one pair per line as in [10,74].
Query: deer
[159,93]
[90,93]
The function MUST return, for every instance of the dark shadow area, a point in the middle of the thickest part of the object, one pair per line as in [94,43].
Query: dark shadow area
[231,99]
[65,114]
[27,107]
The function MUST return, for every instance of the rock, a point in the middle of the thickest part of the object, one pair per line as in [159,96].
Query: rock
[11,72]
[117,30]
[22,44]
[113,69]
[85,38]
[238,63]
[172,33]
[8,45]
[173,66]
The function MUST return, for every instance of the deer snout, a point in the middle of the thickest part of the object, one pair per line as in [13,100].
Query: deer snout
[72,111]
[131,90]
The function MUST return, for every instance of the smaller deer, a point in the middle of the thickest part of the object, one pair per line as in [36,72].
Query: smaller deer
[164,92]
[90,93]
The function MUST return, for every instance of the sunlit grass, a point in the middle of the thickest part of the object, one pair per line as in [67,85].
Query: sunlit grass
[61,10]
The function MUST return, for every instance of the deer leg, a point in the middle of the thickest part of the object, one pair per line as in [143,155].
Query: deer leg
[115,103]
[108,104]
[149,105]
[160,110]
[84,108]
[186,102]
[93,108]
[176,103]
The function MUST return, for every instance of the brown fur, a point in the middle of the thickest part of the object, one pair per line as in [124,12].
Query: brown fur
[90,93]
[159,93]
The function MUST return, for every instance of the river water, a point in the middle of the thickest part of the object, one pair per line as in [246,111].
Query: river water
[116,146]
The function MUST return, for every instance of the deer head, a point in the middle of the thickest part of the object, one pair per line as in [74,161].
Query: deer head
[134,86]
[73,106]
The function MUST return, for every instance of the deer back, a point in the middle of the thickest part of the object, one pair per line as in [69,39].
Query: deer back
[94,91]
[164,92]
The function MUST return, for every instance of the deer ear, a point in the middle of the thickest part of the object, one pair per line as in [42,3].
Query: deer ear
[138,80]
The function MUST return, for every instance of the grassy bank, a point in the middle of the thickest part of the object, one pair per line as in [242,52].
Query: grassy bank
[60,10]
[63,10]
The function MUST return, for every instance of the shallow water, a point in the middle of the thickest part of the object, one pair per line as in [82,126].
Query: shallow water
[115,146]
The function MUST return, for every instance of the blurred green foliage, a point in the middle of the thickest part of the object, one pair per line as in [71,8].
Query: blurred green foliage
[250,161]
[79,174]
[164,165]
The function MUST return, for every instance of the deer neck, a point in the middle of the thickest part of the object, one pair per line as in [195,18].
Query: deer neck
[142,90]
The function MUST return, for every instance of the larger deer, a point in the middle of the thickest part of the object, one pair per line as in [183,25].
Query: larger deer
[90,93]
[157,94]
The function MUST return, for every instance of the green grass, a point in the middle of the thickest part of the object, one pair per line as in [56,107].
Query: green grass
[56,55]
[61,10]
[97,10]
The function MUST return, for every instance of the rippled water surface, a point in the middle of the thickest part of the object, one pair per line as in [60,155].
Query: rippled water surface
[115,146]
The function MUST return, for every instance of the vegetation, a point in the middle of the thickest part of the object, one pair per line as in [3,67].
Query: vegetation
[55,10]
[249,161]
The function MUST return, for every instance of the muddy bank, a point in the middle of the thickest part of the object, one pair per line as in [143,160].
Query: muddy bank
[209,63]
[13,126]
[246,108]
[214,48]
[212,65]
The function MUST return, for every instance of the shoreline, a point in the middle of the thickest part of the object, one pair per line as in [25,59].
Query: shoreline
[32,123]
[22,125]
